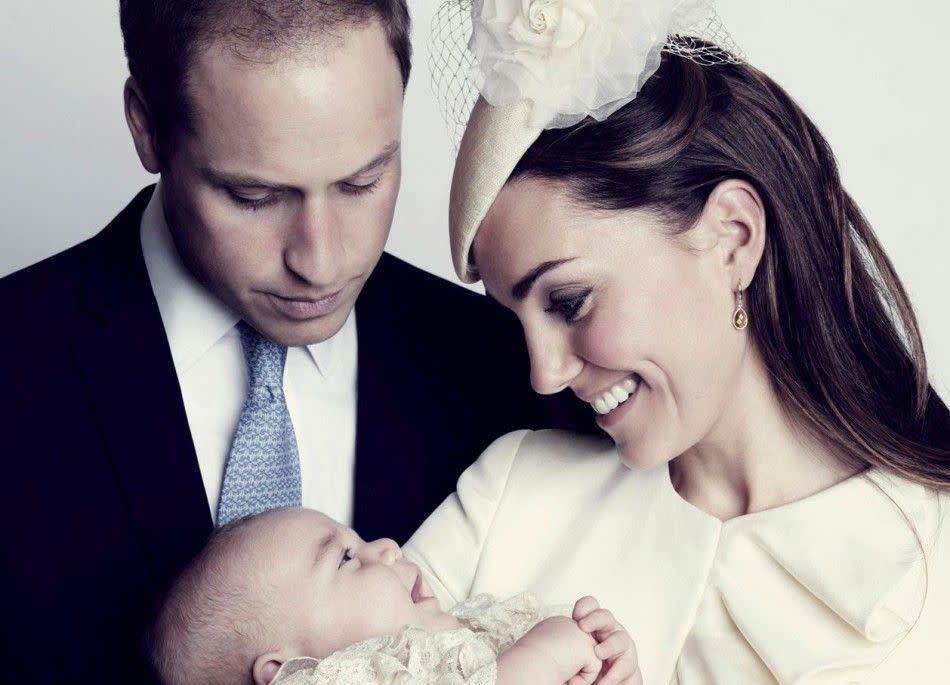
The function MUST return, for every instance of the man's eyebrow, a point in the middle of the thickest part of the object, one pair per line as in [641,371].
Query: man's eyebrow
[523,287]
[382,158]
[222,178]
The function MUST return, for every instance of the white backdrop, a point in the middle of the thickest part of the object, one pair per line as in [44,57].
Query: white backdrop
[873,76]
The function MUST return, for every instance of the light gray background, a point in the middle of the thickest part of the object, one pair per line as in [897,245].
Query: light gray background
[873,75]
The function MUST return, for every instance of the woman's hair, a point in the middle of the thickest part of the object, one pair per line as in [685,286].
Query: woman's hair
[827,311]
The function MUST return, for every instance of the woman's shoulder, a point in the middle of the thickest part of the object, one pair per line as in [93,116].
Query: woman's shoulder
[552,444]
[542,464]
[921,508]
[920,657]
[567,446]
[550,453]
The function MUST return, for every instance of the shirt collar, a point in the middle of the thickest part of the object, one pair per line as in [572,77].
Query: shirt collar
[194,319]
[326,354]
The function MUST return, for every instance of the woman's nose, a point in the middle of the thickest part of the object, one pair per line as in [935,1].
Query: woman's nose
[381,551]
[553,363]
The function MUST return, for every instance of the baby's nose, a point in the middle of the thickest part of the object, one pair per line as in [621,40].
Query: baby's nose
[383,551]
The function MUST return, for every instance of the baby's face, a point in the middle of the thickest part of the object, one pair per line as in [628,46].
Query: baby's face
[332,588]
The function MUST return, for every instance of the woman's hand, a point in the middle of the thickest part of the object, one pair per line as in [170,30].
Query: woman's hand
[614,645]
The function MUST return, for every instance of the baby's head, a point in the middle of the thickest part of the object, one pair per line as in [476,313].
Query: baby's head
[290,582]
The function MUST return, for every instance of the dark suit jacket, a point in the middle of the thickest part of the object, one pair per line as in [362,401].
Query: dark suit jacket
[102,497]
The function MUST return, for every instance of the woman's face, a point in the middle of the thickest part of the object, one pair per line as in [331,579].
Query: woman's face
[611,306]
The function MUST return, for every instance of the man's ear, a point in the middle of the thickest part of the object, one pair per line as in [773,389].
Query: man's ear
[139,119]
[266,667]
[734,213]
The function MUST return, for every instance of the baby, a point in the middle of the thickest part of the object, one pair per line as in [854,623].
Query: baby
[291,596]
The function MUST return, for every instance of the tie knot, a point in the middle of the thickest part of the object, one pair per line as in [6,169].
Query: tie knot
[265,358]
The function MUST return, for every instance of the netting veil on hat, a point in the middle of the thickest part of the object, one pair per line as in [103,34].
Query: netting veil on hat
[505,70]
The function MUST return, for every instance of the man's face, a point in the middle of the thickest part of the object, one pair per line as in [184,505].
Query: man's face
[281,201]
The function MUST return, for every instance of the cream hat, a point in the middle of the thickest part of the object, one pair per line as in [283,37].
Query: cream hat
[493,143]
[539,64]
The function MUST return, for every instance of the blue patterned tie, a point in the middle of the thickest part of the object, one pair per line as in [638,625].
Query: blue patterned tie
[263,469]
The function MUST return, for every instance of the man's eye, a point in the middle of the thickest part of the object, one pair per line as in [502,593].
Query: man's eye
[347,556]
[253,202]
[568,307]
[359,188]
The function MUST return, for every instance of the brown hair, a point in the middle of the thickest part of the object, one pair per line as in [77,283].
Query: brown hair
[164,37]
[828,312]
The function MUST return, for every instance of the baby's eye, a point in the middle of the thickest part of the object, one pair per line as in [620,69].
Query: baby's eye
[347,556]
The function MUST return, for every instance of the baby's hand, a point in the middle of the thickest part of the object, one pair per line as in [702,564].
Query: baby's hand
[568,651]
[614,646]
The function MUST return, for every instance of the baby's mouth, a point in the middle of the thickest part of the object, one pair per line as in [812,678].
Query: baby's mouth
[418,592]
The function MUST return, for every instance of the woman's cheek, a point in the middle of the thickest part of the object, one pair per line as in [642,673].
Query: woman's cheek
[612,342]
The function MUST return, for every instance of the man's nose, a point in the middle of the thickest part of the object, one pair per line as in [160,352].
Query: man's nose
[553,363]
[381,551]
[312,249]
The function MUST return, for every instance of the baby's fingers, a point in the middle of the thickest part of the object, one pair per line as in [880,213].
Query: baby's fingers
[589,672]
[621,674]
[598,621]
[584,606]
[614,645]
[581,679]
[621,665]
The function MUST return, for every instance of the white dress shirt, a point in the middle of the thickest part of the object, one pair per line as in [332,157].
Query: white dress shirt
[319,380]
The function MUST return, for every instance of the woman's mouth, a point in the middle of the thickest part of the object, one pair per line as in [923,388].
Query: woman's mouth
[616,395]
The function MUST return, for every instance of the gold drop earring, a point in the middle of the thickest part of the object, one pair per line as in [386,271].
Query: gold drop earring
[740,318]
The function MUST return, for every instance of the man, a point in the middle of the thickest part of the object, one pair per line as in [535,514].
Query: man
[135,414]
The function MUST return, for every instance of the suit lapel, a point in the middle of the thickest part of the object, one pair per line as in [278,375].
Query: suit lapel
[127,366]
[390,449]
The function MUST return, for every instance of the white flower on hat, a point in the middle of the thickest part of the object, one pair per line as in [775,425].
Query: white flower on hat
[572,58]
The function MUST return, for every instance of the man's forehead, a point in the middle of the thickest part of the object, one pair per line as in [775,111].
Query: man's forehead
[219,73]
[366,43]
[293,120]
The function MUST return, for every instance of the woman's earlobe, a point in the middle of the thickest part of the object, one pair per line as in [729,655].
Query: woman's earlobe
[266,667]
[738,213]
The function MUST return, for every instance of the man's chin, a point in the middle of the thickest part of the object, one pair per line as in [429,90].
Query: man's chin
[295,333]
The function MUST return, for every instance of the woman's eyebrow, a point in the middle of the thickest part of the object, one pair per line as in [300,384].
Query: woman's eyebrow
[523,287]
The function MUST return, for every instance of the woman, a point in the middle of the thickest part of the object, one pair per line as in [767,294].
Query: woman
[769,506]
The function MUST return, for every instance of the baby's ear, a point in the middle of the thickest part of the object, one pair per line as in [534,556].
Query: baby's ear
[266,667]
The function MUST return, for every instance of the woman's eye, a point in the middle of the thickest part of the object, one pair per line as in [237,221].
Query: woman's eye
[568,307]
[347,556]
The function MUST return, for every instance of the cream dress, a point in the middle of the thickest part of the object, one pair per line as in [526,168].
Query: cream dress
[462,656]
[828,589]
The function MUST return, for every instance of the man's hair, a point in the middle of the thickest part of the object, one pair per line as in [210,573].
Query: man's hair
[163,39]
[210,621]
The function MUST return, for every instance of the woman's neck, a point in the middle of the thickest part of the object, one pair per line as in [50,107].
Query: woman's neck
[755,457]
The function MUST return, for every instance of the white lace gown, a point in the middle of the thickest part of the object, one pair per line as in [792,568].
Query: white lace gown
[850,585]
[463,656]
